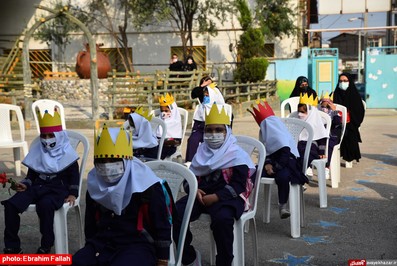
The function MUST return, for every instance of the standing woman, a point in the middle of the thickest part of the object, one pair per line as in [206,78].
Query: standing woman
[347,95]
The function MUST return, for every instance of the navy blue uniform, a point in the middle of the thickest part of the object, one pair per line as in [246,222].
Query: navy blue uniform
[223,213]
[139,236]
[48,192]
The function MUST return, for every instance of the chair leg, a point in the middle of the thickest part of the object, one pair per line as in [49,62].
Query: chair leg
[254,241]
[79,225]
[294,205]
[212,249]
[61,232]
[238,243]
[267,198]
[302,207]
[322,183]
[17,160]
[335,167]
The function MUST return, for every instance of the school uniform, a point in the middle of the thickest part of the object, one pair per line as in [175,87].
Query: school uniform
[231,182]
[52,176]
[126,223]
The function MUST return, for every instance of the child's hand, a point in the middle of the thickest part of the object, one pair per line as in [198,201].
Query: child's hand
[71,200]
[269,169]
[19,187]
[200,195]
[210,199]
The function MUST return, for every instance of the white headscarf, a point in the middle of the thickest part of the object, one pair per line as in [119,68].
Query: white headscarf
[315,120]
[137,178]
[50,162]
[143,136]
[174,123]
[275,136]
[228,155]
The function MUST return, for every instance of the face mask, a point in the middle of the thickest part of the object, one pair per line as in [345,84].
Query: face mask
[302,115]
[165,115]
[206,99]
[48,144]
[214,140]
[343,85]
[110,172]
[324,109]
[175,60]
[190,61]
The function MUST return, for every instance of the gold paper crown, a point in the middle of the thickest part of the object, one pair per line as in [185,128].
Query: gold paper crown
[104,147]
[326,96]
[261,112]
[49,123]
[216,117]
[305,99]
[167,100]
[212,85]
[143,113]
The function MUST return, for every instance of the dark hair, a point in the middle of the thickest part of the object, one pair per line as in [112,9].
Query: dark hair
[205,78]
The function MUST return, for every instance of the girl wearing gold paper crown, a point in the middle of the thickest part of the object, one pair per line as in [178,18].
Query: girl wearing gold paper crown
[52,180]
[208,94]
[282,161]
[307,111]
[126,219]
[223,170]
[145,141]
[172,118]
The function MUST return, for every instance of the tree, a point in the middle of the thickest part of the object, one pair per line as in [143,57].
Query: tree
[57,30]
[188,15]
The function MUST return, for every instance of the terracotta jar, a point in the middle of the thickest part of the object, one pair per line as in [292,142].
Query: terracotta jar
[83,63]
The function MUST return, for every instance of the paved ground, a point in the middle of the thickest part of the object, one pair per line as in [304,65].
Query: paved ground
[359,222]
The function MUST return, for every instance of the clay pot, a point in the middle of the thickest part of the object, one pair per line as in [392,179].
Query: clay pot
[83,63]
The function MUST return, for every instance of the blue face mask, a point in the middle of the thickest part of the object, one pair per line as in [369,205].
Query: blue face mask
[206,99]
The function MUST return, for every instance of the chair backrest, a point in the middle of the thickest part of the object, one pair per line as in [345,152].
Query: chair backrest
[6,112]
[175,174]
[254,148]
[155,123]
[327,123]
[293,105]
[295,127]
[343,110]
[75,139]
[46,104]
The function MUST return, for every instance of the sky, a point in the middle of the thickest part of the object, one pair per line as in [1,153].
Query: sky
[375,19]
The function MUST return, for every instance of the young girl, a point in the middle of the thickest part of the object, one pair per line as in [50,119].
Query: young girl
[282,154]
[208,94]
[307,111]
[172,118]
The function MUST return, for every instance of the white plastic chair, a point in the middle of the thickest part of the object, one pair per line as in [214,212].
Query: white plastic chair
[252,147]
[6,136]
[296,202]
[184,119]
[46,104]
[335,158]
[155,123]
[293,105]
[60,217]
[320,164]
[175,174]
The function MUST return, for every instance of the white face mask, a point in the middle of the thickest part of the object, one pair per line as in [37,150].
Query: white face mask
[48,144]
[343,85]
[324,109]
[214,140]
[302,115]
[165,115]
[110,172]
[190,61]
[175,60]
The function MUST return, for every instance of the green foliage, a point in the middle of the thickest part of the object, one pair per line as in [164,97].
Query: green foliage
[245,17]
[251,43]
[57,30]
[251,70]
[275,17]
